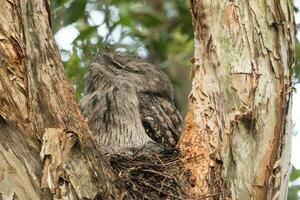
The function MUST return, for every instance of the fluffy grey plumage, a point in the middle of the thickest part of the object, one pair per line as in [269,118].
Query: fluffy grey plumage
[129,103]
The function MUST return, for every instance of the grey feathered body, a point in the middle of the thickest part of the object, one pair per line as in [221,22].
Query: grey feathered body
[129,103]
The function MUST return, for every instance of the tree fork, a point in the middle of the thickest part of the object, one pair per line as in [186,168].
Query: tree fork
[237,129]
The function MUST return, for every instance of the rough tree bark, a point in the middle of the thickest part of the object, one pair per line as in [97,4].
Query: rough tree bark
[237,130]
[238,127]
[46,148]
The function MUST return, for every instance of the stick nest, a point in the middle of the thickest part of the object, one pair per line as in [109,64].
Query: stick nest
[151,174]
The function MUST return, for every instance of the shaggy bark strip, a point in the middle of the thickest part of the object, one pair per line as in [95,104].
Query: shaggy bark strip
[238,128]
[38,112]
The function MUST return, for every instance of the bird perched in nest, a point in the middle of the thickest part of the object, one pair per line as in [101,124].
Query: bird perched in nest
[129,103]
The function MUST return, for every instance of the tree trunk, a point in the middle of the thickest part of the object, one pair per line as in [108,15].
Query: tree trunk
[237,133]
[236,141]
[46,148]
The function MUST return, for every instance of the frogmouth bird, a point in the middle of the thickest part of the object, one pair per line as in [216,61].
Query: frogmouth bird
[128,103]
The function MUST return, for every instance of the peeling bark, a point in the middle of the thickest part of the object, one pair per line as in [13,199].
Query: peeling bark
[238,127]
[236,141]
[39,116]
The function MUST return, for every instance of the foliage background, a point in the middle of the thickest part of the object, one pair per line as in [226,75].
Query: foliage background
[159,31]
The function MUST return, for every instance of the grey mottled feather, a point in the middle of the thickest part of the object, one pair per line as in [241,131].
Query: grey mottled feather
[129,103]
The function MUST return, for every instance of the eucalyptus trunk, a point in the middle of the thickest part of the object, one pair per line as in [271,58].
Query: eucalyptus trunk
[236,141]
[237,136]
[46,148]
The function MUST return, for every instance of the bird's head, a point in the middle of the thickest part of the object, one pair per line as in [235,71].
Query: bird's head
[122,71]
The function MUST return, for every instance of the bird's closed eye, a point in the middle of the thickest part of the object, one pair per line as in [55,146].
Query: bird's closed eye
[135,70]
[117,65]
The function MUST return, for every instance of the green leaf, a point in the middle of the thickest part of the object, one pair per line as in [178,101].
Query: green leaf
[145,15]
[60,2]
[297,54]
[295,174]
[75,12]
[86,33]
[72,65]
